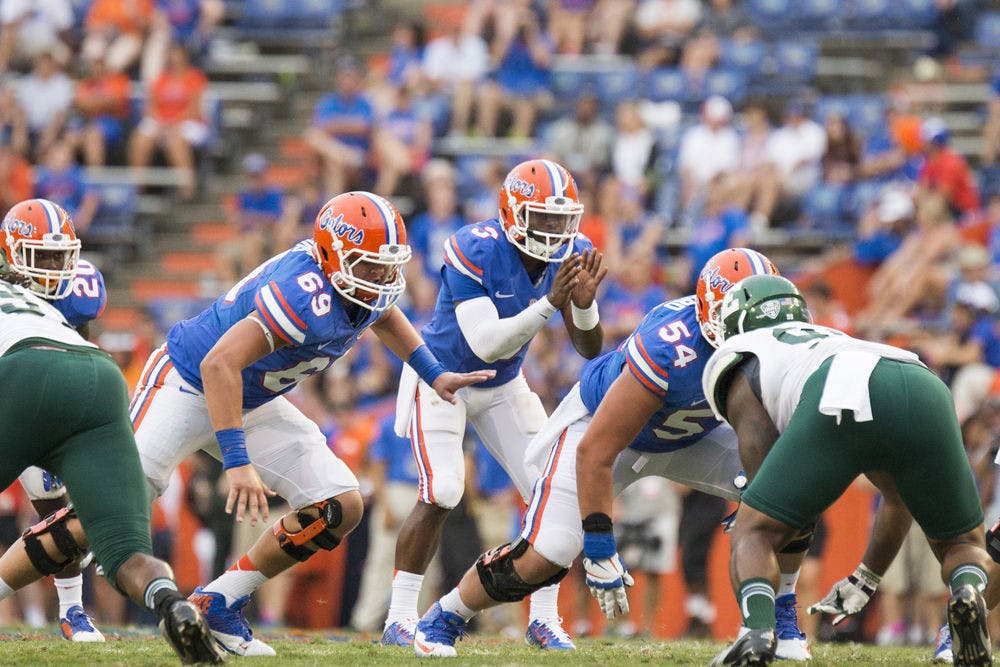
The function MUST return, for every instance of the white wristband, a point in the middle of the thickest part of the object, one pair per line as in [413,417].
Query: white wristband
[543,307]
[587,318]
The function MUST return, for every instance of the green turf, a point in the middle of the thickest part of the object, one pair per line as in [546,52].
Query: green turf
[141,647]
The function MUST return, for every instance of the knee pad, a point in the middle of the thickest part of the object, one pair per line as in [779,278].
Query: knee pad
[499,578]
[313,530]
[448,490]
[55,525]
[801,541]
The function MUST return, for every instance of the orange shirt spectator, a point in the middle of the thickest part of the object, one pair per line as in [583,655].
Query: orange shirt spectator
[105,94]
[176,96]
[17,179]
[129,17]
[945,171]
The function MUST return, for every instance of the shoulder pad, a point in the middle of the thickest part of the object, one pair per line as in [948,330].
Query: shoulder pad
[467,249]
[719,367]
[294,306]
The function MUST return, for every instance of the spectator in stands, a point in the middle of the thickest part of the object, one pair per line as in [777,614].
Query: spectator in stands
[189,22]
[480,203]
[406,55]
[29,28]
[428,231]
[582,141]
[568,25]
[521,63]
[632,229]
[945,171]
[825,309]
[795,151]
[662,27]
[700,54]
[103,108]
[632,153]
[918,271]
[45,95]
[174,120]
[628,295]
[13,124]
[454,64]
[882,229]
[755,184]
[115,30]
[392,472]
[914,577]
[721,225]
[341,128]
[892,152]
[728,19]
[709,149]
[701,514]
[608,22]
[843,153]
[401,143]
[61,179]
[991,129]
[301,209]
[257,210]
[17,180]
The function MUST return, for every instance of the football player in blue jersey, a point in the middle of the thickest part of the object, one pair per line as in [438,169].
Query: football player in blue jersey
[500,283]
[79,294]
[217,384]
[636,411]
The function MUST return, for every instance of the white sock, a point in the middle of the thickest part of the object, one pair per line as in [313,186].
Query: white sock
[5,590]
[544,604]
[405,591]
[786,584]
[70,592]
[698,606]
[453,602]
[242,579]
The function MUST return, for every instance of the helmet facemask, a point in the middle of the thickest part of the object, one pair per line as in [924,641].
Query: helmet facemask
[541,229]
[26,256]
[375,296]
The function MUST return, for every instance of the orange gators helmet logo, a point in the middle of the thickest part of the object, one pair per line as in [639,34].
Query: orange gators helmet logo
[361,247]
[39,244]
[717,277]
[540,209]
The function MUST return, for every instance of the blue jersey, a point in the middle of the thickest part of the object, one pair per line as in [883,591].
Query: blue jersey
[480,261]
[298,305]
[89,296]
[666,354]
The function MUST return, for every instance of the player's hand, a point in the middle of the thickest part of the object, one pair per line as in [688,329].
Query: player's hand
[589,279]
[564,282]
[607,579]
[247,491]
[849,595]
[448,383]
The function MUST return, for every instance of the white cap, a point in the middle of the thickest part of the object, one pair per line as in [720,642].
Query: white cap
[895,205]
[717,108]
[977,295]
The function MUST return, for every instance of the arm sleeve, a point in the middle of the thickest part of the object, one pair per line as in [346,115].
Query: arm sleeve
[492,338]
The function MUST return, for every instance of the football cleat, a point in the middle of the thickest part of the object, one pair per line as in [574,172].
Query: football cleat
[78,627]
[399,633]
[792,642]
[437,633]
[228,624]
[752,647]
[970,638]
[942,652]
[549,634]
[185,629]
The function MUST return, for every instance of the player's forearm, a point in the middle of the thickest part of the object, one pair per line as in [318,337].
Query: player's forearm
[594,485]
[223,386]
[491,337]
[397,333]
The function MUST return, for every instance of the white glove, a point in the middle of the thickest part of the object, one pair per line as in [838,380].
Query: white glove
[607,579]
[850,595]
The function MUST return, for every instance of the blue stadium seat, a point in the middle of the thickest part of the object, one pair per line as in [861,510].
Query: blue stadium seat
[914,13]
[168,312]
[617,85]
[796,60]
[771,16]
[989,180]
[872,14]
[816,15]
[568,84]
[730,83]
[866,113]
[666,83]
[832,104]
[988,31]
[289,13]
[115,221]
[823,207]
[749,56]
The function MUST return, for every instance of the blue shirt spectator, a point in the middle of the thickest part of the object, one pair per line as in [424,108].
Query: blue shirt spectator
[346,108]
[715,233]
[394,452]
[491,478]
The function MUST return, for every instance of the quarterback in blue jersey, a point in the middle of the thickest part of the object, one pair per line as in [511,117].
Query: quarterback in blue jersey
[637,411]
[218,381]
[500,283]
[79,294]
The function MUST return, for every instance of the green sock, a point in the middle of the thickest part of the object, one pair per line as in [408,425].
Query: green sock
[969,573]
[756,598]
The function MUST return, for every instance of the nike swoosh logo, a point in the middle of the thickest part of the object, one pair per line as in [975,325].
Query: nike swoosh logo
[188,391]
[423,648]
[498,295]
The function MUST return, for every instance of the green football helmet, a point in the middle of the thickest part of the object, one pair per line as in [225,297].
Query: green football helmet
[761,301]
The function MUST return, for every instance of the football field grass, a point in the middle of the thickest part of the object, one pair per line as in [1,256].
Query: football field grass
[141,647]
